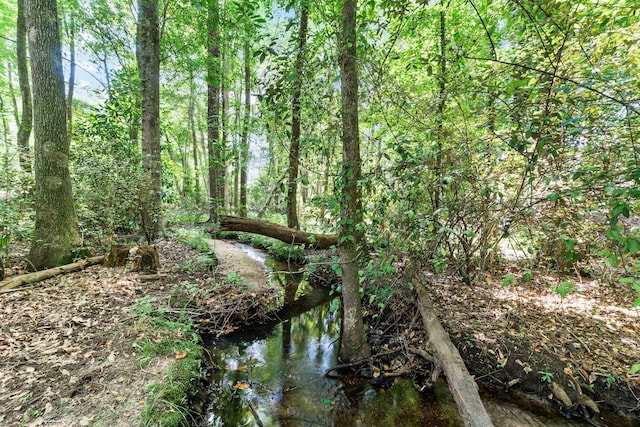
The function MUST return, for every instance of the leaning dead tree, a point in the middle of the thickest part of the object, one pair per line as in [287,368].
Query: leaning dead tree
[461,383]
[277,231]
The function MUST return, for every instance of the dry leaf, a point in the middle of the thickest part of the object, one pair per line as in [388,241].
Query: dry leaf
[242,386]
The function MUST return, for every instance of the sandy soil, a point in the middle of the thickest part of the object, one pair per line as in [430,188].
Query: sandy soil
[234,260]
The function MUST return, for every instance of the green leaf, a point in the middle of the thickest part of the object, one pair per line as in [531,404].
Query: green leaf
[632,245]
[509,279]
[635,369]
[565,288]
[553,196]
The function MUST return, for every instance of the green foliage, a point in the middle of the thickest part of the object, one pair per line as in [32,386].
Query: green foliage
[235,279]
[509,280]
[169,401]
[195,238]
[565,288]
[546,376]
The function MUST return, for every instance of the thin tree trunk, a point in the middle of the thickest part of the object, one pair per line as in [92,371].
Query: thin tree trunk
[244,144]
[353,344]
[148,54]
[294,149]
[194,140]
[237,159]
[26,122]
[56,233]
[442,101]
[107,75]
[214,146]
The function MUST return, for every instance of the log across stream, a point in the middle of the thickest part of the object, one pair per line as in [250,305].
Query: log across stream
[273,375]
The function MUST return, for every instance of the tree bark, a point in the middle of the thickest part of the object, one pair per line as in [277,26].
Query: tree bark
[294,149]
[24,279]
[26,122]
[353,345]
[224,114]
[148,55]
[462,386]
[215,147]
[71,33]
[244,143]
[56,233]
[277,231]
[194,139]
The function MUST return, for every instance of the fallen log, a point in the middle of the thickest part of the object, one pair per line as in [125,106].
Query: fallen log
[277,231]
[24,279]
[462,386]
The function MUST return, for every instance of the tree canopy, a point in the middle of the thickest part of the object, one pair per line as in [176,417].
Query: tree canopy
[483,124]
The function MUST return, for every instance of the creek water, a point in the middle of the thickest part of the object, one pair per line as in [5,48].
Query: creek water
[272,375]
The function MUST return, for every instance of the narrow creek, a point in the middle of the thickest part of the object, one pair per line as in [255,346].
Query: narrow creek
[272,375]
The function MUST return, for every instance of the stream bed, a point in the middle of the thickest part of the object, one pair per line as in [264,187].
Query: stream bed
[273,375]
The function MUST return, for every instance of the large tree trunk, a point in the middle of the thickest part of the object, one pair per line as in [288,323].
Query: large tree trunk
[462,386]
[26,122]
[71,33]
[215,147]
[277,231]
[148,55]
[56,232]
[294,149]
[353,344]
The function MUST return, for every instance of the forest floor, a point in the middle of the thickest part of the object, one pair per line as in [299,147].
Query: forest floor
[69,355]
[69,345]
[586,341]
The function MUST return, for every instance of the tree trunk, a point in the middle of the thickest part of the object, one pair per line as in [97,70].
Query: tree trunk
[26,122]
[56,234]
[294,149]
[442,102]
[462,386]
[215,148]
[353,345]
[277,231]
[225,127]
[194,139]
[148,55]
[244,143]
[25,279]
[71,33]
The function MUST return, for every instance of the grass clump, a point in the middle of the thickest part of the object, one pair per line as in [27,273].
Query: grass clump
[195,238]
[169,402]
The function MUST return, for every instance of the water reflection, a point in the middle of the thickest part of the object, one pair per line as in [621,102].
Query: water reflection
[272,375]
